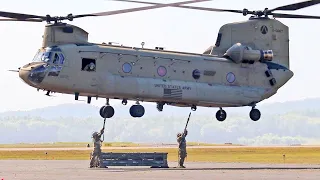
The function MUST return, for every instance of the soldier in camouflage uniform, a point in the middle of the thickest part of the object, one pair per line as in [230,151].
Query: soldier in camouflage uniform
[181,139]
[96,153]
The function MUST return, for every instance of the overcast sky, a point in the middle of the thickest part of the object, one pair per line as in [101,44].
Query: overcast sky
[172,28]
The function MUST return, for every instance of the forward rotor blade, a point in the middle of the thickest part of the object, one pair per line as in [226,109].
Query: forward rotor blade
[25,20]
[296,6]
[14,70]
[187,7]
[20,16]
[277,15]
[108,13]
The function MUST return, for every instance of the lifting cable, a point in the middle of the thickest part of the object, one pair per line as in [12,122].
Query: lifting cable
[104,123]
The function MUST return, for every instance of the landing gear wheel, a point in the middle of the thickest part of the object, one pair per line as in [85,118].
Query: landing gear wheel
[221,115]
[255,114]
[136,110]
[106,111]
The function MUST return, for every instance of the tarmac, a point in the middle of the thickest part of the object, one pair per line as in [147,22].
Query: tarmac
[79,170]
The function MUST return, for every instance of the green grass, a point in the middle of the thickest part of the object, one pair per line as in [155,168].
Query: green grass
[310,155]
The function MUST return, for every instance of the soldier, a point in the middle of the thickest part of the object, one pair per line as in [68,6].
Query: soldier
[96,153]
[90,67]
[181,138]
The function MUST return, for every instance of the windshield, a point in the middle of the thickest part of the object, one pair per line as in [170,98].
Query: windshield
[49,55]
[42,56]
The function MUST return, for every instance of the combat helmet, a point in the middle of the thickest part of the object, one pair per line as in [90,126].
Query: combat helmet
[94,134]
[179,134]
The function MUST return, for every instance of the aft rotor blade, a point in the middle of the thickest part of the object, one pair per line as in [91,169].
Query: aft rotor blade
[296,6]
[20,16]
[108,13]
[277,15]
[187,7]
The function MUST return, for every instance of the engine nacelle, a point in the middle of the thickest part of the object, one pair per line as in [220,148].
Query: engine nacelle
[240,54]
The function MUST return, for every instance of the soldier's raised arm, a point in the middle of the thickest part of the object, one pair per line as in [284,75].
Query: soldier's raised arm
[185,133]
[101,132]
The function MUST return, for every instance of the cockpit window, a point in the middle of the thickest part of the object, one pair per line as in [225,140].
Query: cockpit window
[58,58]
[50,55]
[46,56]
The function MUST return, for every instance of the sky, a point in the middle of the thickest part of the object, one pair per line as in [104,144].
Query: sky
[172,28]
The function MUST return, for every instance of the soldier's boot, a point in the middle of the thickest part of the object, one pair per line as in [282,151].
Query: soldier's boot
[91,162]
[181,161]
[100,163]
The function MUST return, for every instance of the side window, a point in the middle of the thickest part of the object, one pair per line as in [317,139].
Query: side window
[58,58]
[61,57]
[218,39]
[55,58]
[88,64]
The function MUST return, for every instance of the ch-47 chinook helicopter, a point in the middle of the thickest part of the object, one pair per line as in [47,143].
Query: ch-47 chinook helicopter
[248,64]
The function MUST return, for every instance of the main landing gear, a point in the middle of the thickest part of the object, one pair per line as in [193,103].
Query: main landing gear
[136,110]
[221,115]
[254,114]
[106,111]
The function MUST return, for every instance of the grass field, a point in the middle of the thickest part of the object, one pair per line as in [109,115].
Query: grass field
[310,155]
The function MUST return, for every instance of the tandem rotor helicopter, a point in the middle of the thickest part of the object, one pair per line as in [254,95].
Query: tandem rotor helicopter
[248,63]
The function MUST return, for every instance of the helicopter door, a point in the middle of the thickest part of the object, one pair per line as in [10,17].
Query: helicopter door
[88,71]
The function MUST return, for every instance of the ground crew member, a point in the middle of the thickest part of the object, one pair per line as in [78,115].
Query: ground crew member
[96,153]
[181,139]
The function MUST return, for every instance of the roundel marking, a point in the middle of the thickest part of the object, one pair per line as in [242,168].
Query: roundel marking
[126,67]
[230,77]
[264,29]
[196,74]
[162,71]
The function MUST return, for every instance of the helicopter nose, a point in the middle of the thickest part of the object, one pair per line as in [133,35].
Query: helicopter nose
[33,75]
[23,74]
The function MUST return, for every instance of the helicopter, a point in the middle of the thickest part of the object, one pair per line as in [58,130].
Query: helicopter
[248,63]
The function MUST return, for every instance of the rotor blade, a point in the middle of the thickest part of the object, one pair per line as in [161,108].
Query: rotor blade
[296,6]
[14,70]
[20,16]
[28,20]
[277,15]
[187,7]
[108,13]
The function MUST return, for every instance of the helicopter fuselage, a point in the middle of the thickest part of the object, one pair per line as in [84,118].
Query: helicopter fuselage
[177,78]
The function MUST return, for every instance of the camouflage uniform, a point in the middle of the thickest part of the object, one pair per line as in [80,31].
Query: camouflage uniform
[181,139]
[96,153]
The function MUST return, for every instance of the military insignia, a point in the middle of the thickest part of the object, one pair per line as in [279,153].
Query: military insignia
[264,29]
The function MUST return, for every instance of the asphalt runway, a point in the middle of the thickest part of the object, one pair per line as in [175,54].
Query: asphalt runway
[79,170]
